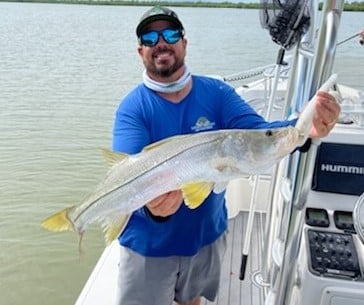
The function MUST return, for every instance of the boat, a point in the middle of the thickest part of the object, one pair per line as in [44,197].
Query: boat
[296,233]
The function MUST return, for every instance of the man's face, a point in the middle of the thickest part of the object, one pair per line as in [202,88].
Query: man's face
[163,59]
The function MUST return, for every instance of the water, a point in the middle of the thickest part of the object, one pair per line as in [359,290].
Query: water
[63,70]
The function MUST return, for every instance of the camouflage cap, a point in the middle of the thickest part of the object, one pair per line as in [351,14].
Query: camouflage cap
[158,13]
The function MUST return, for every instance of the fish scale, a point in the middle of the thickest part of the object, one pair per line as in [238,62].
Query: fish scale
[196,164]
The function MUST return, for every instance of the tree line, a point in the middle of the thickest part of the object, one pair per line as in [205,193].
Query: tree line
[353,6]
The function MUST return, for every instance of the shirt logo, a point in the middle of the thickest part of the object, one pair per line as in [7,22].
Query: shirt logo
[203,124]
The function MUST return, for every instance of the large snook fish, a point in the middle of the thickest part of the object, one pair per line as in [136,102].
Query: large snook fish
[196,164]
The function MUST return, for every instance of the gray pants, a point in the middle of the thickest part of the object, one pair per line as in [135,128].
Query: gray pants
[162,280]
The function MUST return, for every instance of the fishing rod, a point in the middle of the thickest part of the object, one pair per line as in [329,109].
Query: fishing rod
[262,69]
[351,37]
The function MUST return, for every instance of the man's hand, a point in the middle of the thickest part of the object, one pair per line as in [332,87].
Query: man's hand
[327,113]
[166,204]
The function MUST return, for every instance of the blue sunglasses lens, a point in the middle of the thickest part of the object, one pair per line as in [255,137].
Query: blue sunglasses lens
[151,38]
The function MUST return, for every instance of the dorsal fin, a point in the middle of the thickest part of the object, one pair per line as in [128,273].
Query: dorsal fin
[113,157]
[163,141]
[154,145]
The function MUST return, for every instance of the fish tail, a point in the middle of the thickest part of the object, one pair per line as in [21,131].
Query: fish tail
[59,222]
[305,120]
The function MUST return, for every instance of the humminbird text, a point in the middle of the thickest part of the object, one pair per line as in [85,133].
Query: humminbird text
[336,168]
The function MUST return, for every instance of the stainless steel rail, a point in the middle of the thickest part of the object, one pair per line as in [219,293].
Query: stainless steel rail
[301,164]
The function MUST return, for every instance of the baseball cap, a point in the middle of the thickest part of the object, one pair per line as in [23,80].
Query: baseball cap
[158,13]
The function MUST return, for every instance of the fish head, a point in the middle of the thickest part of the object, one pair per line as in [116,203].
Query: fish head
[259,149]
[272,143]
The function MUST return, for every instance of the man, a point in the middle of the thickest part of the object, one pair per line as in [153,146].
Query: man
[169,252]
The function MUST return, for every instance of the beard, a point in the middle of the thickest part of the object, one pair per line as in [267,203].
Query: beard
[163,69]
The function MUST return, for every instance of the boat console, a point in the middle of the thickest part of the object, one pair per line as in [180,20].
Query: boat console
[330,266]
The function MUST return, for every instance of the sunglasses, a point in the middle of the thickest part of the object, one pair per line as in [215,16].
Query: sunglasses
[170,36]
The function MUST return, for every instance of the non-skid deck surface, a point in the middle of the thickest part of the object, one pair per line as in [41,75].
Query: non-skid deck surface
[233,291]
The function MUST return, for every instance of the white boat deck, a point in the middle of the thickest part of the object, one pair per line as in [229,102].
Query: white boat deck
[101,285]
[233,291]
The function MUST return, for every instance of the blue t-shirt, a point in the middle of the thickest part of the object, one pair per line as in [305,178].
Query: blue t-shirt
[144,117]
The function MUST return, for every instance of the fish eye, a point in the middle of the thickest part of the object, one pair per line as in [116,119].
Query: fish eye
[269,133]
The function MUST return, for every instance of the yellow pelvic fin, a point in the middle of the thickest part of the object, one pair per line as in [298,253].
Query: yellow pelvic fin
[113,157]
[115,228]
[59,222]
[195,193]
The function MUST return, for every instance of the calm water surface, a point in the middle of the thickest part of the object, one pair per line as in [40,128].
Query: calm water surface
[63,70]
